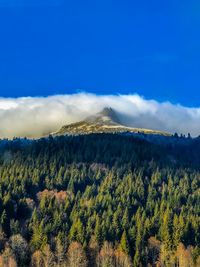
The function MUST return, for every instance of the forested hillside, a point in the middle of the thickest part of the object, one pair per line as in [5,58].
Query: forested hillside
[100,200]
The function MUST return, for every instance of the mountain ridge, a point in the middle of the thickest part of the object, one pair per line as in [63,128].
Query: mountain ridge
[105,121]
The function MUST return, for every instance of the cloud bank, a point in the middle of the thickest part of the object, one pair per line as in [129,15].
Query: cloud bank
[38,116]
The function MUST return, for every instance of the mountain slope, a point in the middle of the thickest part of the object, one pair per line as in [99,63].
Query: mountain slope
[105,121]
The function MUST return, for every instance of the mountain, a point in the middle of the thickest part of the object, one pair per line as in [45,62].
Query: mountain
[106,117]
[106,121]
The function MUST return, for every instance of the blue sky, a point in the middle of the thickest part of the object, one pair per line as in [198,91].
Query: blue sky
[105,47]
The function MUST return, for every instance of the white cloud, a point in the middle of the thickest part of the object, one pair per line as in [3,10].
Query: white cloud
[37,116]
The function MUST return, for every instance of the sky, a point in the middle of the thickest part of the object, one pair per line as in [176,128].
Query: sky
[51,47]
[59,56]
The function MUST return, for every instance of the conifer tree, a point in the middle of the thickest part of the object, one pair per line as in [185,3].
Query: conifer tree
[124,244]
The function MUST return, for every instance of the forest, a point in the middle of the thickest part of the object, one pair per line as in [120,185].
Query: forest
[100,200]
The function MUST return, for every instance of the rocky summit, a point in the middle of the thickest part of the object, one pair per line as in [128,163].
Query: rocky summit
[105,121]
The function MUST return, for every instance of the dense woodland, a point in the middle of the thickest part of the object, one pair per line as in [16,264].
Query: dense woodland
[100,201]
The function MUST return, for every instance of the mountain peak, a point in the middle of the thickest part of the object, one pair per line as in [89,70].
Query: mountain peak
[107,111]
[105,121]
[106,116]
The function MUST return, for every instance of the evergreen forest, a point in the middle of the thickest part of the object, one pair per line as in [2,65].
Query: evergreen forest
[100,200]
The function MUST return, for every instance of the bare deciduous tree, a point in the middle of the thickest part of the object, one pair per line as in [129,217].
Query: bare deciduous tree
[107,255]
[121,259]
[76,255]
[37,259]
[7,259]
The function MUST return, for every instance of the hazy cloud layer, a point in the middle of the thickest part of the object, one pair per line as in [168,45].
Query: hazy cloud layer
[38,116]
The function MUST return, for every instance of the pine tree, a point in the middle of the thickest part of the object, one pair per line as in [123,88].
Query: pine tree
[124,244]
[39,239]
[136,259]
[77,231]
[165,229]
[97,231]
[125,219]
[178,230]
